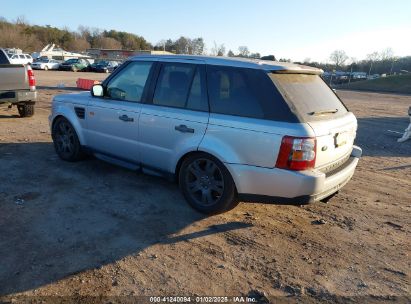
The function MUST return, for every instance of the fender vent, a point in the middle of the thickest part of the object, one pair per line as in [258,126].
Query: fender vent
[80,112]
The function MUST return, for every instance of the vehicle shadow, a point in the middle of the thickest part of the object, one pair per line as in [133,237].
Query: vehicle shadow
[376,137]
[9,116]
[59,218]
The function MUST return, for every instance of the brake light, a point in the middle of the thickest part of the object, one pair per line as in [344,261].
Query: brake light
[32,80]
[297,153]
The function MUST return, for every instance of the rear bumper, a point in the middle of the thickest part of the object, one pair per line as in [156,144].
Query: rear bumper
[18,96]
[284,186]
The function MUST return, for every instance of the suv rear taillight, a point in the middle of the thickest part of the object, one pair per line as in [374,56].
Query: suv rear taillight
[32,80]
[296,153]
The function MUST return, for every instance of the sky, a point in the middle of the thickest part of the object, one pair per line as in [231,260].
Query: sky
[294,29]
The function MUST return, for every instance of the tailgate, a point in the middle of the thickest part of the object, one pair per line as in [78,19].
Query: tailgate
[335,138]
[13,77]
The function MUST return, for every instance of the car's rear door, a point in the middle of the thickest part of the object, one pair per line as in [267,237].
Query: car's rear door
[113,121]
[175,120]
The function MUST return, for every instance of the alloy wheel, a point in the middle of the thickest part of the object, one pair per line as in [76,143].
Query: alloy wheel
[204,182]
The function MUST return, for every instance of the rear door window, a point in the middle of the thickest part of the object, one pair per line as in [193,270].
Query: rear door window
[181,85]
[247,93]
[308,96]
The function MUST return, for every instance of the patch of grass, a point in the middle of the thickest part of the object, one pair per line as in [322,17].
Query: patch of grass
[392,84]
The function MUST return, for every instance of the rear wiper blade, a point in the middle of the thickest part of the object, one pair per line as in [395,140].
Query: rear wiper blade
[324,112]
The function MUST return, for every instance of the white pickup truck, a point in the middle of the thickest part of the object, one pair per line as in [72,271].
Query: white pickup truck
[17,86]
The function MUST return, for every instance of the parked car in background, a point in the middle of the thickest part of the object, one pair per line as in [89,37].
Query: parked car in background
[373,76]
[226,129]
[45,64]
[20,59]
[75,64]
[17,86]
[104,66]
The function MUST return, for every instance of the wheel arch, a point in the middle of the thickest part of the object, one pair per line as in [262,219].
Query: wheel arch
[188,154]
[74,122]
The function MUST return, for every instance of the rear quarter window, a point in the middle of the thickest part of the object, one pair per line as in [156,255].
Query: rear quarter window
[308,96]
[247,93]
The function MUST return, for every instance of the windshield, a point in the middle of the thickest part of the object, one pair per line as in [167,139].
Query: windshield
[308,96]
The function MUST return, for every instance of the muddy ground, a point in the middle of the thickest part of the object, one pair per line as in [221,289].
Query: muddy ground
[93,229]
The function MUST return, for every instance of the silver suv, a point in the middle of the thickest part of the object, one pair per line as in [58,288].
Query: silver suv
[226,129]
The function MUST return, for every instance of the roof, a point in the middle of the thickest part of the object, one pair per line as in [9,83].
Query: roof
[266,65]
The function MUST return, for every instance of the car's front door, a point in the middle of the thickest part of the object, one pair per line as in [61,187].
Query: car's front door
[176,118]
[112,127]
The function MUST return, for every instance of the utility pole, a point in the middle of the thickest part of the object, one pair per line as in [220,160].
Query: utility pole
[369,71]
[392,66]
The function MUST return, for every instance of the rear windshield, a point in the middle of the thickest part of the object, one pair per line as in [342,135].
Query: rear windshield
[308,96]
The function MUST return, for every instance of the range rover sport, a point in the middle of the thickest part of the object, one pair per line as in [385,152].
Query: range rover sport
[228,130]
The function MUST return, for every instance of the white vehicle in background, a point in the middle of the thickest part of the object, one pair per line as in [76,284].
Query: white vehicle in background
[46,64]
[20,59]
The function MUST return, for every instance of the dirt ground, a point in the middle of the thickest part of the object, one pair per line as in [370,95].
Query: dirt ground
[90,229]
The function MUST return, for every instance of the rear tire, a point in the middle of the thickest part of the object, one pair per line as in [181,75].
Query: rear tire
[66,142]
[46,68]
[26,110]
[207,185]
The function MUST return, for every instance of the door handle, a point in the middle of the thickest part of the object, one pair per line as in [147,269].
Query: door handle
[183,129]
[125,118]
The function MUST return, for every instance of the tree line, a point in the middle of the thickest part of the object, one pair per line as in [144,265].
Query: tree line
[382,62]
[30,38]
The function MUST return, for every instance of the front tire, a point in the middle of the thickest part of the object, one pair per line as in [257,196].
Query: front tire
[25,110]
[46,68]
[66,142]
[207,185]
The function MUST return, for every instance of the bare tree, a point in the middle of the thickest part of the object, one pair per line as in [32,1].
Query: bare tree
[338,57]
[230,53]
[78,45]
[243,51]
[107,43]
[387,54]
[218,49]
[374,56]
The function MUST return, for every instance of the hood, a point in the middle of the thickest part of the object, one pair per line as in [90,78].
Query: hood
[82,98]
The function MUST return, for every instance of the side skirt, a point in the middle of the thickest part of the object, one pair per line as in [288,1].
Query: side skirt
[128,164]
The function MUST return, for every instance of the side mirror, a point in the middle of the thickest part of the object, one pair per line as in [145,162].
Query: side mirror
[97,90]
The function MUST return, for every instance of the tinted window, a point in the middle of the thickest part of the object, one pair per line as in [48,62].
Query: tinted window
[309,96]
[245,92]
[22,57]
[129,84]
[181,86]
